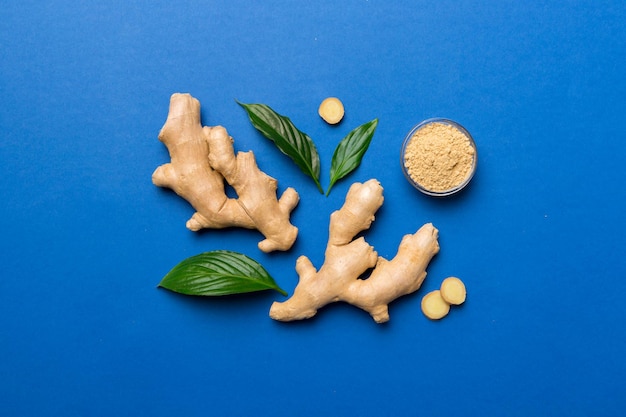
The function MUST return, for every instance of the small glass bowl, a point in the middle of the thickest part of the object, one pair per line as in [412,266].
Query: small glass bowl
[456,188]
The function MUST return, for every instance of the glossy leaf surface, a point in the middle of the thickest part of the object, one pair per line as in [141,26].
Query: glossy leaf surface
[350,151]
[219,273]
[292,142]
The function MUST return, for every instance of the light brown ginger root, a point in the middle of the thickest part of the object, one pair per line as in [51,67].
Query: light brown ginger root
[201,159]
[347,259]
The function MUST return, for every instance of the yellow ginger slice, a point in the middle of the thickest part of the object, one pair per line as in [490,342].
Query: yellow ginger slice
[453,291]
[331,110]
[434,306]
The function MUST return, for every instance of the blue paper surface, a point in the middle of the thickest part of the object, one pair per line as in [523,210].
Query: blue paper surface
[538,235]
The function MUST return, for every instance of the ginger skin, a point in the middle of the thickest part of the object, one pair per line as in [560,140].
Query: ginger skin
[346,260]
[201,159]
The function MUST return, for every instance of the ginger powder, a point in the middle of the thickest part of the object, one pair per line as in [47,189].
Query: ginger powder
[439,157]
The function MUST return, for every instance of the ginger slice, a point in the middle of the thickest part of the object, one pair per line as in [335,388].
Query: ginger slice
[434,306]
[347,258]
[331,110]
[453,290]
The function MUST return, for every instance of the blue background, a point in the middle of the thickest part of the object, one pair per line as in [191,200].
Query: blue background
[538,237]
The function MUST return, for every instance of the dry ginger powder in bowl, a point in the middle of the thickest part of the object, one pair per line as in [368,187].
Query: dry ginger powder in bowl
[439,158]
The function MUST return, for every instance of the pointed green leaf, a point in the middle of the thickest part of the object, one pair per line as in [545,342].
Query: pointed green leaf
[350,151]
[292,142]
[219,273]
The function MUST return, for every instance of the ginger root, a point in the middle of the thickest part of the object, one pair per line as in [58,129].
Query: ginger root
[201,159]
[347,259]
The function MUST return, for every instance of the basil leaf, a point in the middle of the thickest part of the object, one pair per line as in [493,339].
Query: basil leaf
[350,151]
[292,142]
[219,273]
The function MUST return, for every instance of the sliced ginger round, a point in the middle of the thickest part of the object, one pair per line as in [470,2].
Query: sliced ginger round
[453,291]
[331,110]
[434,306]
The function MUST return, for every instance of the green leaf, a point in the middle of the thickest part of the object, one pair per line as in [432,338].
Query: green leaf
[291,141]
[350,151]
[219,273]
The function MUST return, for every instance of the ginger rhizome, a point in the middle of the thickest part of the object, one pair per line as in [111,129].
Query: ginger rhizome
[347,259]
[202,158]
